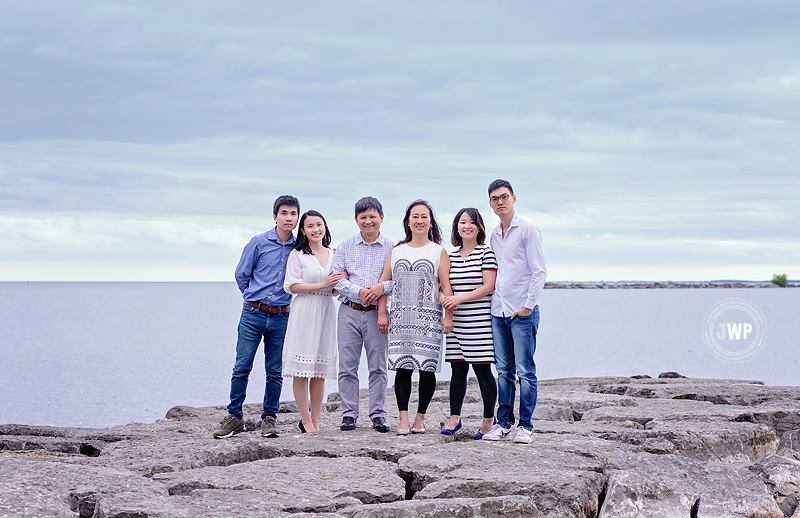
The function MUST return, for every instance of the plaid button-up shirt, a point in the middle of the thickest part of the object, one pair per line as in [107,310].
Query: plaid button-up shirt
[363,263]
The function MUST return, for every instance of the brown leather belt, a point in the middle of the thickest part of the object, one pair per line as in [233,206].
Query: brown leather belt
[272,310]
[359,307]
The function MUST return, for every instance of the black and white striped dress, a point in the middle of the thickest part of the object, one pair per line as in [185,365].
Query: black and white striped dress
[471,339]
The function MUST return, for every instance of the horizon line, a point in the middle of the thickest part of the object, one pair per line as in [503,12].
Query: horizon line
[630,281]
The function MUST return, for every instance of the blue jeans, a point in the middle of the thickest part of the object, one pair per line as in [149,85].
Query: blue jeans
[253,325]
[514,345]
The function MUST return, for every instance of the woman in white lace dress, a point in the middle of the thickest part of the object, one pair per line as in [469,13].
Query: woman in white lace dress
[309,349]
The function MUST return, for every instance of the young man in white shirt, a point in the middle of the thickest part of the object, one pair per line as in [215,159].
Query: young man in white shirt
[521,272]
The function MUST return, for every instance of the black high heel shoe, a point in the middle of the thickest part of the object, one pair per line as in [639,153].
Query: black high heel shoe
[302,428]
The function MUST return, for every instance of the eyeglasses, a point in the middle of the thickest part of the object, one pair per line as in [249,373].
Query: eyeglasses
[494,199]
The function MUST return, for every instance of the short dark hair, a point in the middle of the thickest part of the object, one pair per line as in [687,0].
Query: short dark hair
[289,201]
[434,234]
[368,202]
[455,237]
[498,184]
[301,244]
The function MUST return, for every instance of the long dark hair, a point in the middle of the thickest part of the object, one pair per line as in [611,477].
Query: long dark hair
[473,213]
[301,244]
[434,234]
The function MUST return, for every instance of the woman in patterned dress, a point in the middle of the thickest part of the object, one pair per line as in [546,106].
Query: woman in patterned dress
[473,270]
[419,267]
[309,349]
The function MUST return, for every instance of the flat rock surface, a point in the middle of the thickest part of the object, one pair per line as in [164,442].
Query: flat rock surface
[717,489]
[568,484]
[367,480]
[611,446]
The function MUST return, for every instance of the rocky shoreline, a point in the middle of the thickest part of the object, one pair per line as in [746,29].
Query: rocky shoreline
[603,447]
[636,285]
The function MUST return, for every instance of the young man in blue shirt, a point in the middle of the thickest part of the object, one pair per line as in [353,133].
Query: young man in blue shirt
[265,312]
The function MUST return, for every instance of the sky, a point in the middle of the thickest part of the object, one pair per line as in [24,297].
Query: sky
[146,141]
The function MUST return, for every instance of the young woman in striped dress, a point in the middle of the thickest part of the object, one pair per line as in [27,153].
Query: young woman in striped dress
[473,270]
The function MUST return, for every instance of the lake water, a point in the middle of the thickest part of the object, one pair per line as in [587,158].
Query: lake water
[102,354]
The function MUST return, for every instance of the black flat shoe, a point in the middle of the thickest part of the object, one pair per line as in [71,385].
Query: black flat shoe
[348,423]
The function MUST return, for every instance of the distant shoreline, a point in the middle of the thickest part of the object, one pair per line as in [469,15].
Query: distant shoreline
[640,285]
[564,285]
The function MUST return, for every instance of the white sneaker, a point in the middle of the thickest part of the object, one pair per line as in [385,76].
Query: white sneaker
[497,433]
[523,436]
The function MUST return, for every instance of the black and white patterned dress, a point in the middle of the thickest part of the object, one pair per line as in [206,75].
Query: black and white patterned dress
[415,317]
[471,339]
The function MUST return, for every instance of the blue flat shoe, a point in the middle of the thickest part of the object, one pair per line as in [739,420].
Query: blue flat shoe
[478,436]
[446,431]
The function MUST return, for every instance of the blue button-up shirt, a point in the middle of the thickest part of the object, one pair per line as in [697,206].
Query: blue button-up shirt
[262,268]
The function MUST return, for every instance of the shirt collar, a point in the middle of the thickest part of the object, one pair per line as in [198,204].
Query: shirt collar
[272,235]
[514,223]
[380,240]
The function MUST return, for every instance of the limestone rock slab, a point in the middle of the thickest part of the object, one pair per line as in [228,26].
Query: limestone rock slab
[170,453]
[364,479]
[581,401]
[556,481]
[287,503]
[38,488]
[631,495]
[173,467]
[657,485]
[128,505]
[782,477]
[718,392]
[504,506]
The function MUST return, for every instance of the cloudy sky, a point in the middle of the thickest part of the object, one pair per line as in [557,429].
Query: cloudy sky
[649,140]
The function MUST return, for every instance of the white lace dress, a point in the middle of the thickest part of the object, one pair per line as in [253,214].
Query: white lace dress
[309,349]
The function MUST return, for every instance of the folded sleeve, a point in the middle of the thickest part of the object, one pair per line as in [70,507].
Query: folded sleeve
[488,261]
[346,287]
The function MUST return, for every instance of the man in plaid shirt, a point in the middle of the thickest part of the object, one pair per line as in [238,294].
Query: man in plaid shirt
[363,257]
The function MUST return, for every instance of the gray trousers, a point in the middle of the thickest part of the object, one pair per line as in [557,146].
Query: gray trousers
[357,328]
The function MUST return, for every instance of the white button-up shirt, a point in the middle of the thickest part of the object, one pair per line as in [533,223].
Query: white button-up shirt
[520,266]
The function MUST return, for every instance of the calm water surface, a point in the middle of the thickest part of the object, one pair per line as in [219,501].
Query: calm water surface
[102,354]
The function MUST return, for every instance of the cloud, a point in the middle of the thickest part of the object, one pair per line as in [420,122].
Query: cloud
[633,132]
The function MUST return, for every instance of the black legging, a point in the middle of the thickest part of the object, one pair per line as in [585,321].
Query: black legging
[402,389]
[458,387]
